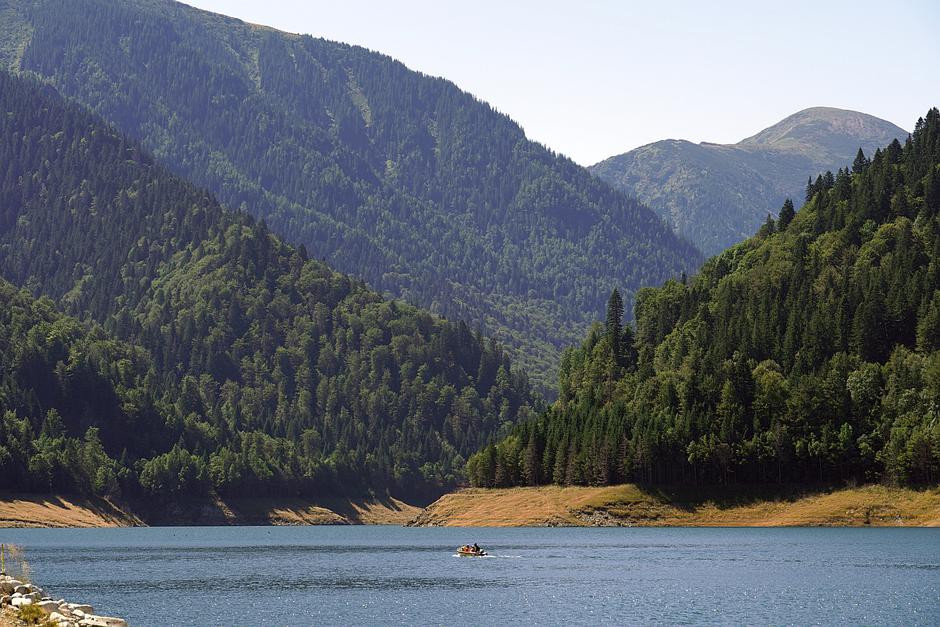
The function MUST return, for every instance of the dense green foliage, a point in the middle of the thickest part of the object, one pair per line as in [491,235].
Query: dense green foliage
[810,352]
[395,177]
[257,368]
[719,194]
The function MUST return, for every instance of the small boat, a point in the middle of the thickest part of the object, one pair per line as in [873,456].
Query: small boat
[470,551]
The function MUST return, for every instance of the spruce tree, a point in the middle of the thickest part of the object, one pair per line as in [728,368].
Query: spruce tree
[787,212]
[615,323]
[768,228]
[861,162]
[533,457]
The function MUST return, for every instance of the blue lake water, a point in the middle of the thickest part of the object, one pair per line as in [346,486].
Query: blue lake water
[392,575]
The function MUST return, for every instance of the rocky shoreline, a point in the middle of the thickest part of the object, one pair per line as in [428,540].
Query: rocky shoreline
[19,596]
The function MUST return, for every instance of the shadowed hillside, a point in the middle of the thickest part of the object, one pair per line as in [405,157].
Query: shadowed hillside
[205,354]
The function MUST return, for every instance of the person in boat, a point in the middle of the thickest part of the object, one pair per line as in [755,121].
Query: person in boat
[476,548]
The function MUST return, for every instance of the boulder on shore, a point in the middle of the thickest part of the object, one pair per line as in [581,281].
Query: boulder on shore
[102,621]
[58,612]
[48,606]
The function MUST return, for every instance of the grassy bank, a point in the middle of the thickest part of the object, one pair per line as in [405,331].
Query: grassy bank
[31,510]
[629,505]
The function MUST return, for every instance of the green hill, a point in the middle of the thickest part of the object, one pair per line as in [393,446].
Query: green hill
[808,353]
[210,354]
[719,194]
[393,176]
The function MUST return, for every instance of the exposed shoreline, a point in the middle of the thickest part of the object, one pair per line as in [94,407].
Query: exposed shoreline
[544,506]
[40,510]
[629,505]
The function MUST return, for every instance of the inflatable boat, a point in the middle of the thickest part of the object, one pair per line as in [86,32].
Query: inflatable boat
[469,551]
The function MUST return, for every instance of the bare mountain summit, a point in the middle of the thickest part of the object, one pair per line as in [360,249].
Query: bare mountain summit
[718,194]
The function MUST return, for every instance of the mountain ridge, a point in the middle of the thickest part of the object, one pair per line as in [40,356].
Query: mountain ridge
[717,194]
[421,189]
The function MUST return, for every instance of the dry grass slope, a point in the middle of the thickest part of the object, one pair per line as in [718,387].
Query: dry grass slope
[20,510]
[628,505]
[30,510]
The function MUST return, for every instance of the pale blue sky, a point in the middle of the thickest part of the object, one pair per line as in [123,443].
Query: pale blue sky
[591,79]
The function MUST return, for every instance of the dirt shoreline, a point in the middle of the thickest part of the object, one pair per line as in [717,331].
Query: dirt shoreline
[545,506]
[630,505]
[39,510]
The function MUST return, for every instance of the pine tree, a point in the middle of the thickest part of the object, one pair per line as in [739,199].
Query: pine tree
[533,457]
[861,163]
[615,324]
[787,212]
[928,327]
[768,228]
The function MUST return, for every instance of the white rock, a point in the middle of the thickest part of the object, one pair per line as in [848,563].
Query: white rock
[48,607]
[22,589]
[82,607]
[21,601]
[102,621]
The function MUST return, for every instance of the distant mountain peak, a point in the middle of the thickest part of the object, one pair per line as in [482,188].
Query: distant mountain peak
[718,194]
[824,129]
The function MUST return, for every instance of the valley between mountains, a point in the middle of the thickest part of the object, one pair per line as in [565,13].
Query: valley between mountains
[248,276]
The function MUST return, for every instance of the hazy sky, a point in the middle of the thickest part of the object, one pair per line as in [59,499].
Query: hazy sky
[592,79]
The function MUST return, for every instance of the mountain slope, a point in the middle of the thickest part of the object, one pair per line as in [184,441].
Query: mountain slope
[396,177]
[717,195]
[262,370]
[808,353]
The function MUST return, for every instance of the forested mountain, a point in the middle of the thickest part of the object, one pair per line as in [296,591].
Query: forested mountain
[396,177]
[246,367]
[719,194]
[810,352]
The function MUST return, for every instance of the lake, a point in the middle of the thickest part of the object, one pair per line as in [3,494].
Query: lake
[393,575]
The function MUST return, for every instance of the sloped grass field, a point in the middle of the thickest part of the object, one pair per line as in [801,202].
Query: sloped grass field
[629,504]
